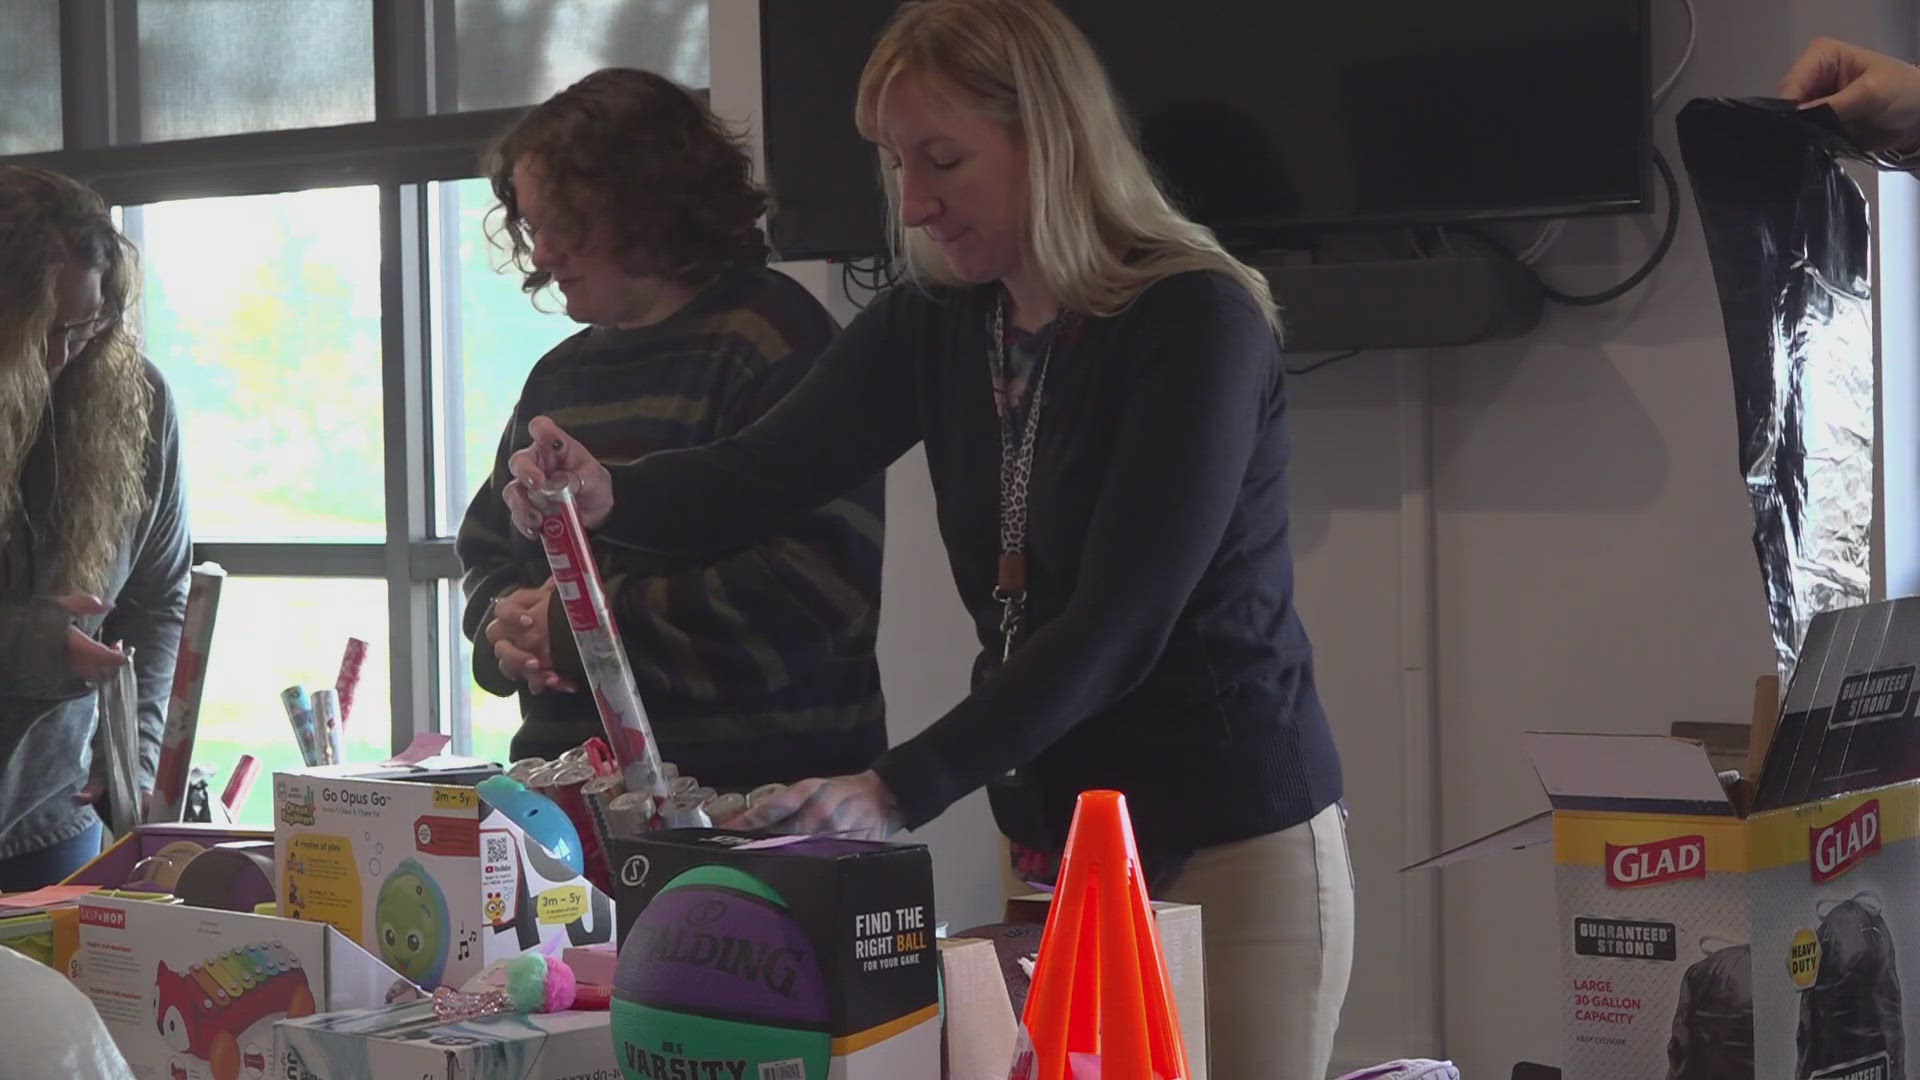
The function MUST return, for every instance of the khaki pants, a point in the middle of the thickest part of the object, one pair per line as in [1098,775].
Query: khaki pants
[1277,924]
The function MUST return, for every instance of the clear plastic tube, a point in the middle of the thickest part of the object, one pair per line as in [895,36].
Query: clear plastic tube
[576,581]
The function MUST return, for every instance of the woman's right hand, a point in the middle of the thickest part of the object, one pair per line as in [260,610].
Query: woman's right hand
[86,658]
[1876,96]
[554,454]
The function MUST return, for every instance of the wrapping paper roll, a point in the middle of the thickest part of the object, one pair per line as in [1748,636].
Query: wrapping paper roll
[630,814]
[348,681]
[576,579]
[722,807]
[183,706]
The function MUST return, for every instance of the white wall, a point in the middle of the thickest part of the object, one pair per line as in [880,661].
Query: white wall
[1543,533]
[1594,567]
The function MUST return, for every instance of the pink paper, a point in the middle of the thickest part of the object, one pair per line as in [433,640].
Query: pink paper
[424,745]
[50,896]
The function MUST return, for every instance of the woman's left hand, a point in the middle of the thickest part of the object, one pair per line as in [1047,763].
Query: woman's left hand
[858,806]
[518,632]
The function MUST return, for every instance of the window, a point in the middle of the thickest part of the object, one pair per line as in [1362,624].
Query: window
[263,312]
[30,77]
[518,52]
[491,337]
[219,67]
[240,709]
[323,301]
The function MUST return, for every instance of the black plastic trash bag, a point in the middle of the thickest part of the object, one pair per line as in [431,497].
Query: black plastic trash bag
[1713,1022]
[1788,237]
[1850,1022]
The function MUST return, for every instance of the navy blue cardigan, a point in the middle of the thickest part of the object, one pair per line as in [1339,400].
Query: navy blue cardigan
[1165,658]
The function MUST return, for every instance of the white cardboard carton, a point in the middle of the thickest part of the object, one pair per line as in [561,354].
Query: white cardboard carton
[427,877]
[1650,860]
[192,993]
[411,1043]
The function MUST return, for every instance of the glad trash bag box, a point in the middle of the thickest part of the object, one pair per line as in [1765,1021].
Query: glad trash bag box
[1708,935]
[1650,867]
[1650,871]
[1834,866]
[1835,918]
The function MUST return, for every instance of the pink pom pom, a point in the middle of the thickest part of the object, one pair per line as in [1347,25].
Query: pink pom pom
[560,987]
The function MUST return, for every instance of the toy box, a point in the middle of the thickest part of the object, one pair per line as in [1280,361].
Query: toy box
[189,993]
[427,877]
[50,933]
[792,957]
[410,1041]
[171,843]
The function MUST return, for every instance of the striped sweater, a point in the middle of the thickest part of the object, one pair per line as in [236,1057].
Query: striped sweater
[755,666]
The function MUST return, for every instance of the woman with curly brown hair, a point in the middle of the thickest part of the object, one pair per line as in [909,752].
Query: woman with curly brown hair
[626,195]
[93,535]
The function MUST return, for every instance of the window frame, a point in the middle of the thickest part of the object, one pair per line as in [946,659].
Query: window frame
[406,147]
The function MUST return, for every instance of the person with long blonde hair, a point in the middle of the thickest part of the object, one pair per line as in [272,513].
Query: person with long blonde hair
[93,539]
[1099,389]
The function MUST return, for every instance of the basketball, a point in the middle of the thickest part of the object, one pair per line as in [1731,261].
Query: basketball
[717,977]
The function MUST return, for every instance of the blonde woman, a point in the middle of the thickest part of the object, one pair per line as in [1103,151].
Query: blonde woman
[93,535]
[1099,389]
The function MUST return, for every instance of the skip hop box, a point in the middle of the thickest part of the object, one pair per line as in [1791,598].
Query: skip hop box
[797,958]
[410,1042]
[191,993]
[427,877]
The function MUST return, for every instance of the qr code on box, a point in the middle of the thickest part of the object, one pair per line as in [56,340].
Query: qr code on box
[790,1069]
[499,849]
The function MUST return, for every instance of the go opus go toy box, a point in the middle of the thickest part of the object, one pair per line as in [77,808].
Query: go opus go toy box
[427,877]
[192,993]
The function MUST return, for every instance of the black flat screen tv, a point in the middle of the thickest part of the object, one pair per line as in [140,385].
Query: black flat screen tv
[1268,119]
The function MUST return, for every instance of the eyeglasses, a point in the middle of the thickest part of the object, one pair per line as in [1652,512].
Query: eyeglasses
[74,336]
[564,234]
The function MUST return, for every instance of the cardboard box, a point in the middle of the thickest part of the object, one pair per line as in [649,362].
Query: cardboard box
[410,1041]
[1848,722]
[1650,862]
[189,993]
[798,957]
[592,964]
[1834,922]
[427,877]
[113,867]
[1694,931]
[1185,948]
[979,1029]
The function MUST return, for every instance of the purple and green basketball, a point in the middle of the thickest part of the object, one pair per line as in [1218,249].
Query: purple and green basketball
[718,978]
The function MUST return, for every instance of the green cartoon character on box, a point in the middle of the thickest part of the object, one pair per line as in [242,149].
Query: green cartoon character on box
[411,924]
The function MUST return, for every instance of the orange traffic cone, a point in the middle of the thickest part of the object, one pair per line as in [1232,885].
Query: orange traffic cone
[1100,987]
